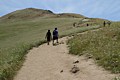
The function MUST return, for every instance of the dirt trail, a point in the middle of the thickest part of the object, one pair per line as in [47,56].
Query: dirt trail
[46,63]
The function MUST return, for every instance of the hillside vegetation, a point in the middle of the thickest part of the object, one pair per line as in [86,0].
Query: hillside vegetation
[24,29]
[102,45]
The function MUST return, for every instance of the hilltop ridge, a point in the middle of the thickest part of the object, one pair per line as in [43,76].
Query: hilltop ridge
[27,14]
[30,13]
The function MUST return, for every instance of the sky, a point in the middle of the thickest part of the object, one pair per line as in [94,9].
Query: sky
[107,9]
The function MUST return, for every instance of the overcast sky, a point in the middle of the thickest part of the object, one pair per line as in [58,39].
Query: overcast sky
[107,9]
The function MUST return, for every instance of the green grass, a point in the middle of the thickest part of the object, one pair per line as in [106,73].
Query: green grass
[103,46]
[19,36]
[116,78]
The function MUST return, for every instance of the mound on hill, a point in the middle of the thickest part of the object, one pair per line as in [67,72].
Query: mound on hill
[69,15]
[27,14]
[30,13]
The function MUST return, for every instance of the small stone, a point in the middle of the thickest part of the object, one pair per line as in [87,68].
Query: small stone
[74,69]
[73,35]
[89,57]
[76,62]
[61,71]
[62,42]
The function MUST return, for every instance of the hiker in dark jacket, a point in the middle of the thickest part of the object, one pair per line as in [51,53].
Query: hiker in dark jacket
[55,35]
[48,36]
[104,23]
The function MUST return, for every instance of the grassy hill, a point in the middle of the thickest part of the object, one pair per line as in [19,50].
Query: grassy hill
[28,13]
[24,29]
[32,13]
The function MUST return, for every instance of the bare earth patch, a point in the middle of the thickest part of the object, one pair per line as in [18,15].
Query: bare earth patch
[48,62]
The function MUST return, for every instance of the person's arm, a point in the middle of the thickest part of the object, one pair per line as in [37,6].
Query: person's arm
[45,36]
[50,36]
[58,34]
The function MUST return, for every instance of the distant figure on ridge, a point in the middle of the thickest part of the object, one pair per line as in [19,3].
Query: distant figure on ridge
[48,36]
[109,23]
[104,23]
[74,24]
[87,24]
[55,35]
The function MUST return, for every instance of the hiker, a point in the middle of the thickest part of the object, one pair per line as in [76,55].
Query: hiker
[87,24]
[104,23]
[48,36]
[109,23]
[74,24]
[55,35]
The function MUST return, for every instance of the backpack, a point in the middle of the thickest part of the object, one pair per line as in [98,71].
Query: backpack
[55,33]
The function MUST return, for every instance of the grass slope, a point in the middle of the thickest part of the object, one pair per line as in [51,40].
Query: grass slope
[102,45]
[28,13]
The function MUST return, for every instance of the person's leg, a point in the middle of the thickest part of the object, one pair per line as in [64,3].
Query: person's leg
[57,40]
[53,41]
[48,42]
